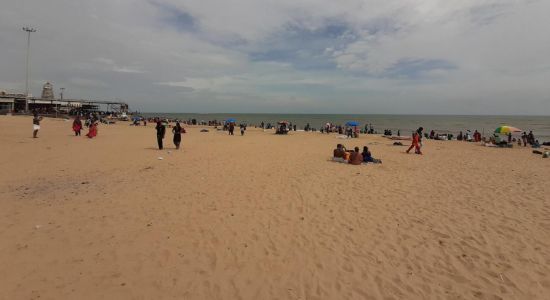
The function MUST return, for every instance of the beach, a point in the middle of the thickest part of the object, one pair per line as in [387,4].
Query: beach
[263,216]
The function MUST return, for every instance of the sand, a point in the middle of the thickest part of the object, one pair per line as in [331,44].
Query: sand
[266,217]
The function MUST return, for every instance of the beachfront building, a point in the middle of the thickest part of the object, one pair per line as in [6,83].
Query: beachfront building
[47,104]
[7,101]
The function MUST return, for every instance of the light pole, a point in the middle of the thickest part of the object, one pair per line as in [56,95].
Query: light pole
[61,96]
[29,30]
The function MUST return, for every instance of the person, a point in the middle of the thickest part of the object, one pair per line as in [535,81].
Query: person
[535,144]
[177,131]
[509,137]
[524,139]
[531,138]
[349,132]
[459,136]
[242,129]
[161,130]
[92,130]
[367,156]
[231,128]
[419,135]
[355,157]
[339,152]
[36,124]
[415,144]
[432,134]
[77,126]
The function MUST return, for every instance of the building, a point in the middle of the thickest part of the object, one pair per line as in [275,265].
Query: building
[47,91]
[47,104]
[8,100]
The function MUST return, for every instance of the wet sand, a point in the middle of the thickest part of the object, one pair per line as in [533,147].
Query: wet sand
[266,217]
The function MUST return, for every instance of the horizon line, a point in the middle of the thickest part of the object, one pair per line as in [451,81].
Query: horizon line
[366,114]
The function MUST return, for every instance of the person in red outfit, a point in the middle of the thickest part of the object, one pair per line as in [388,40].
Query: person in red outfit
[415,144]
[92,132]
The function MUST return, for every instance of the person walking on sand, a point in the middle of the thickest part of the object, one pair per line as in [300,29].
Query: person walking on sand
[92,130]
[77,126]
[415,144]
[231,128]
[177,131]
[161,130]
[36,124]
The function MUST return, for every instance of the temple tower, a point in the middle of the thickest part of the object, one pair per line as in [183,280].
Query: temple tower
[47,91]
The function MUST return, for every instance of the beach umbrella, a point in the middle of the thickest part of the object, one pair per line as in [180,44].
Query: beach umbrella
[231,120]
[284,122]
[352,123]
[507,129]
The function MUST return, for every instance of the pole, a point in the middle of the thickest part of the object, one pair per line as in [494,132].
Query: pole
[28,30]
[61,96]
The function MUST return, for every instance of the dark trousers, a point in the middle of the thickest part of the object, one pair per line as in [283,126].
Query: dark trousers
[159,141]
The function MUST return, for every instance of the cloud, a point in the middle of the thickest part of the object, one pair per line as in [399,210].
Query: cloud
[314,56]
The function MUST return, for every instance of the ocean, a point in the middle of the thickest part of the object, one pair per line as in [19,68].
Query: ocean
[540,125]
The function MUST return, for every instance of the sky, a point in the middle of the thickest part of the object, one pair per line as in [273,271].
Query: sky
[286,56]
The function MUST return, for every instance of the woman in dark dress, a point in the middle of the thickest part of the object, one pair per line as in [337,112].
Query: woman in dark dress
[177,131]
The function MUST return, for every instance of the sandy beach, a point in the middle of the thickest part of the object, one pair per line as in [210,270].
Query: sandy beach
[266,217]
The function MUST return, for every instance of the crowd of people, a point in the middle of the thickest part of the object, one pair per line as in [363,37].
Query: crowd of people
[353,157]
[91,120]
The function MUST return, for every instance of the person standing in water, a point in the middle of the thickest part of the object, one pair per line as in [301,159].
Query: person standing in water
[161,130]
[36,124]
[77,126]
[177,131]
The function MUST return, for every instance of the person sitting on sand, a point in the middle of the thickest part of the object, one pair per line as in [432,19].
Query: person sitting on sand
[340,151]
[340,154]
[355,157]
[367,156]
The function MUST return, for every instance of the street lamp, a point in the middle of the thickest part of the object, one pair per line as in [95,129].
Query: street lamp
[29,30]
[61,96]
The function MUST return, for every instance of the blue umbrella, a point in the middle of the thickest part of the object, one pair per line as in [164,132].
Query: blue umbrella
[352,123]
[231,120]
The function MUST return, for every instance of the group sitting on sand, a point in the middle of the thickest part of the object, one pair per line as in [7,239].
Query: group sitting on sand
[354,157]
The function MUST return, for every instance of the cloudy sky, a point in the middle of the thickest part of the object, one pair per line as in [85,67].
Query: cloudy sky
[303,56]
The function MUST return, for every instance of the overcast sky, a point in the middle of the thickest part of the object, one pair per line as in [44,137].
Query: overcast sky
[303,56]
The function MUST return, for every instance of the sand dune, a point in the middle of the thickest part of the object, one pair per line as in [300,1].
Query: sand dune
[266,217]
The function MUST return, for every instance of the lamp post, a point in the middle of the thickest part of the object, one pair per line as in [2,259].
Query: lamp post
[29,30]
[58,102]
